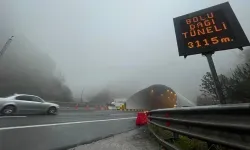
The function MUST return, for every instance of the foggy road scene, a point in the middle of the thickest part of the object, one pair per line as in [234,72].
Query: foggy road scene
[75,72]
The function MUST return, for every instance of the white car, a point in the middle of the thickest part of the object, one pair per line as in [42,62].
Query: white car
[26,104]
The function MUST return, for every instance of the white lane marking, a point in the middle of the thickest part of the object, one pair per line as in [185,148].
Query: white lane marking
[12,117]
[122,114]
[60,124]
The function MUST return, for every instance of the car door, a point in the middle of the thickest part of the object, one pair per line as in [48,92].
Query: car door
[28,104]
[41,105]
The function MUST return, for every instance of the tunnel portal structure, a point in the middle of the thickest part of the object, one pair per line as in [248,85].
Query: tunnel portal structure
[156,97]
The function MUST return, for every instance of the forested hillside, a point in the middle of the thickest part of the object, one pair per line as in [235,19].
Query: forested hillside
[26,69]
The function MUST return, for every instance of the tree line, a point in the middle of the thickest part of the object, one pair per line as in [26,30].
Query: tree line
[235,86]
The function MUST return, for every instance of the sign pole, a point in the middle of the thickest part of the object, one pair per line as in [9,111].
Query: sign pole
[81,95]
[215,77]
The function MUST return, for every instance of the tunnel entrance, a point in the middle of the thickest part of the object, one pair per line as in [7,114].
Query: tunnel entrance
[153,97]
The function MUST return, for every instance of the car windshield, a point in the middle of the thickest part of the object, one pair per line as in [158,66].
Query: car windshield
[124,74]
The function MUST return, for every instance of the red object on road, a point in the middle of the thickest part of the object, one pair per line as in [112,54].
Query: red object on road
[76,107]
[141,118]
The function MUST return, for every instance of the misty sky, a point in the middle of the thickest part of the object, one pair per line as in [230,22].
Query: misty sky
[117,43]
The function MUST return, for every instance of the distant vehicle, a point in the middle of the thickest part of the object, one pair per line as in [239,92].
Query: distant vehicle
[26,104]
[118,102]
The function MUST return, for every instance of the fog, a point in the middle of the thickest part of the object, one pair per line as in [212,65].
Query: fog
[120,45]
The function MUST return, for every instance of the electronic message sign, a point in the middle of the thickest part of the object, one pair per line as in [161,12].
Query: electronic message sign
[212,29]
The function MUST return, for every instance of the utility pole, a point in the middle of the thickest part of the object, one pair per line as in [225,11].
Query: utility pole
[81,95]
[6,46]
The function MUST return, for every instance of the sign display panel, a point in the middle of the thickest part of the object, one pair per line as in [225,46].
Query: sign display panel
[212,29]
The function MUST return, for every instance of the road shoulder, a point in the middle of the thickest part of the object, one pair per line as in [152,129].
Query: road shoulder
[138,139]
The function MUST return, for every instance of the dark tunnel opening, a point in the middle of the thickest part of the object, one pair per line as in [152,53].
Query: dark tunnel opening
[153,97]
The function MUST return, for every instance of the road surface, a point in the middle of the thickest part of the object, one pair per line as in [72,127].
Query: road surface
[69,128]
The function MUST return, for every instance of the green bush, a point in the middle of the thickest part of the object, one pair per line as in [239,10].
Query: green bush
[190,144]
[184,143]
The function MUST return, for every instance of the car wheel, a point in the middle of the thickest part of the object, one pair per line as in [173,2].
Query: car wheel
[52,111]
[8,110]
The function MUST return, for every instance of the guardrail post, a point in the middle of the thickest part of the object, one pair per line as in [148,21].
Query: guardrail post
[211,146]
[175,136]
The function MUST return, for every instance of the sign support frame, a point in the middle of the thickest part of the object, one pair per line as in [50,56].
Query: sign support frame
[217,83]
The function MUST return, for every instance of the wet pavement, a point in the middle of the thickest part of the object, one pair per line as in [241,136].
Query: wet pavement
[138,139]
[62,131]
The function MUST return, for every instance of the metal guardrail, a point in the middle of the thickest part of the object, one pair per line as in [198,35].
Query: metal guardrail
[225,125]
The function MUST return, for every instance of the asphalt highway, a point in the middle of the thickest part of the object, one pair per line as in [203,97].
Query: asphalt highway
[68,128]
